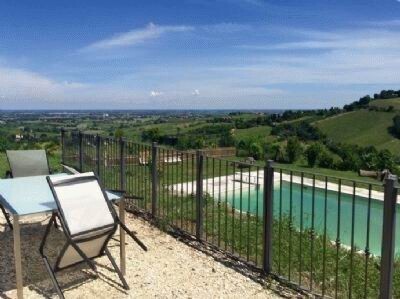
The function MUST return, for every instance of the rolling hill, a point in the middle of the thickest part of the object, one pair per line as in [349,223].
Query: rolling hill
[395,103]
[261,131]
[363,127]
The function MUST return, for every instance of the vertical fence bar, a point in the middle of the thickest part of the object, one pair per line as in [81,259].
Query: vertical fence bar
[199,194]
[268,214]
[62,146]
[122,163]
[388,237]
[154,179]
[80,141]
[98,141]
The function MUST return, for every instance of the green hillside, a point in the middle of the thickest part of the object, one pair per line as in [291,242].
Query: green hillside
[255,132]
[395,103]
[362,127]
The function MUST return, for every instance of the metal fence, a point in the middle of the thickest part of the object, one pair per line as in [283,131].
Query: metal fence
[332,236]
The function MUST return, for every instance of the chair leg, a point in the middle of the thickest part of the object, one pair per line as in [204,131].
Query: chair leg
[53,278]
[121,277]
[132,235]
[7,216]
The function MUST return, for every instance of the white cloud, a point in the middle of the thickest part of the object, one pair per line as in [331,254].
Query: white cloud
[359,56]
[385,23]
[136,36]
[325,65]
[154,93]
[21,88]
[349,39]
[222,28]
[20,83]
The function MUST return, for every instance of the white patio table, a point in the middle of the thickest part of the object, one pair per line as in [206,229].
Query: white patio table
[31,196]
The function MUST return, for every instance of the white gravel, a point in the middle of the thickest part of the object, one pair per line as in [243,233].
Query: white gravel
[170,269]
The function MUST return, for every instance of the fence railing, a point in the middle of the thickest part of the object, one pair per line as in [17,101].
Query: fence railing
[332,236]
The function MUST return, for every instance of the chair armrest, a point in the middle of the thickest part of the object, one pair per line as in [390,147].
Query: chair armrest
[116,190]
[124,194]
[70,169]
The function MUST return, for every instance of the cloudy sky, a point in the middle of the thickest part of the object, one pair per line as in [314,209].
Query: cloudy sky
[196,53]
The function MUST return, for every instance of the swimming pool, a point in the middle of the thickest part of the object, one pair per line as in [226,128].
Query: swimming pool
[253,199]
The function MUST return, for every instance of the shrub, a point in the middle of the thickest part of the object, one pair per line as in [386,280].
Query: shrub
[256,150]
[396,125]
[293,149]
[326,160]
[313,153]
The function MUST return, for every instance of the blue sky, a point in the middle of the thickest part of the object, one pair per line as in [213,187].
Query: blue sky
[196,53]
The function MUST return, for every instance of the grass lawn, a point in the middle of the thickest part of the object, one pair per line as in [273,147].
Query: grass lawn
[3,164]
[350,175]
[363,128]
[255,132]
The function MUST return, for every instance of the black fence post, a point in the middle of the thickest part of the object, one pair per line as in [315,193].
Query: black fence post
[62,146]
[98,142]
[80,144]
[268,215]
[199,194]
[154,179]
[122,163]
[388,237]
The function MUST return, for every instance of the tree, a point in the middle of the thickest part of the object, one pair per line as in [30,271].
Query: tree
[312,153]
[227,139]
[385,160]
[396,124]
[152,134]
[293,149]
[256,150]
[350,158]
[369,157]
[119,133]
[4,144]
[326,160]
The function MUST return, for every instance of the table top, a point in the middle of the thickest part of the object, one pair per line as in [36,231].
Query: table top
[31,195]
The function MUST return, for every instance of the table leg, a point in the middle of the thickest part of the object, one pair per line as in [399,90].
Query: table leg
[122,236]
[17,256]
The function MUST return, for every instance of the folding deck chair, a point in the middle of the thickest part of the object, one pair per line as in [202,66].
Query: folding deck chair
[28,163]
[25,163]
[88,221]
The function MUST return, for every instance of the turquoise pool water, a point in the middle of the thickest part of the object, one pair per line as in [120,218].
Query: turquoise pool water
[253,198]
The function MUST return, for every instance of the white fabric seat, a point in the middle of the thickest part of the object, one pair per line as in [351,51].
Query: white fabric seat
[79,203]
[25,163]
[88,220]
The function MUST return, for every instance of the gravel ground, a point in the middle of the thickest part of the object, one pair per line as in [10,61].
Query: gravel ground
[169,269]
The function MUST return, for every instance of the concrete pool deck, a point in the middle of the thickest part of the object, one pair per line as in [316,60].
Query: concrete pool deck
[222,185]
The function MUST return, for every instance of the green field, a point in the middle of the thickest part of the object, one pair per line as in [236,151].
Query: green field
[386,103]
[3,164]
[362,127]
[255,132]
